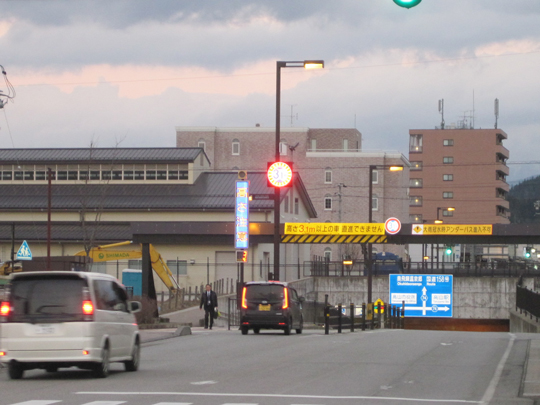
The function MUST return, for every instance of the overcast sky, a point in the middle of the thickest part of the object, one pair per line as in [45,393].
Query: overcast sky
[126,72]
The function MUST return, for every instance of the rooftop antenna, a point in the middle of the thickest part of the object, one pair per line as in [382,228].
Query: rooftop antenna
[496,112]
[292,116]
[441,110]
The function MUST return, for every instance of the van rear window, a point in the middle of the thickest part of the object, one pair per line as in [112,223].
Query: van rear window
[264,292]
[46,299]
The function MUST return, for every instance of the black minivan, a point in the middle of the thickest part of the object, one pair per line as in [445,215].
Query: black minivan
[270,305]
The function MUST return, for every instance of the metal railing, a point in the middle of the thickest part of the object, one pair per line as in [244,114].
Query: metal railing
[528,301]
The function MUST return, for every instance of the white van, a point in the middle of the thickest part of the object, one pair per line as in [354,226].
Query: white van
[53,319]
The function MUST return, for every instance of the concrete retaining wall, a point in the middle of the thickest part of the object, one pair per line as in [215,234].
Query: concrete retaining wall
[474,297]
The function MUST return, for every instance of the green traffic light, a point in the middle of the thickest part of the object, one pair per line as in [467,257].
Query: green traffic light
[448,251]
[407,3]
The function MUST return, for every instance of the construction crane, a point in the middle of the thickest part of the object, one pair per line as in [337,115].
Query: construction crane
[108,252]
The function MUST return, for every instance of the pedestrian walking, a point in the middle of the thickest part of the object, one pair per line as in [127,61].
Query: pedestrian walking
[209,302]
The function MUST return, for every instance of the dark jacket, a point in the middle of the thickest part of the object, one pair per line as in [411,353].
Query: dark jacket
[204,300]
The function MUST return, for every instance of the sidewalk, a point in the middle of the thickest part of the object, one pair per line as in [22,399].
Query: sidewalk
[152,335]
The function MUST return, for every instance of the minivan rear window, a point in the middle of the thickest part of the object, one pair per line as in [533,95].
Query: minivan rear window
[46,299]
[264,292]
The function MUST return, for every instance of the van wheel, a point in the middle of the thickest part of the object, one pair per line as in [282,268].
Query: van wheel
[244,330]
[101,370]
[287,329]
[15,371]
[299,330]
[133,364]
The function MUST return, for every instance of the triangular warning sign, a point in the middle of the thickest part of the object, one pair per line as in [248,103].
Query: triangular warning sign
[24,252]
[418,229]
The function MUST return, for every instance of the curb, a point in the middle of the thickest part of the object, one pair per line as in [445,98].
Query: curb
[180,331]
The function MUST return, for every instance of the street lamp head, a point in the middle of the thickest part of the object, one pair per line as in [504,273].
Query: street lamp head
[450,209]
[395,168]
[314,64]
[438,221]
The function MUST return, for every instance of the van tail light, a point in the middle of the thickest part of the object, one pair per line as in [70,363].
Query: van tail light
[5,308]
[87,306]
[285,298]
[244,303]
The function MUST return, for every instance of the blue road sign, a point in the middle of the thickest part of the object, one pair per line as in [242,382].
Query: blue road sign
[24,252]
[425,295]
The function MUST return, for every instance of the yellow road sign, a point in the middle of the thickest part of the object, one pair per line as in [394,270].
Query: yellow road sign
[451,229]
[327,228]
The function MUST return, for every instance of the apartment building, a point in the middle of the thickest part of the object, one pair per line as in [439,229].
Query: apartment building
[463,169]
[332,165]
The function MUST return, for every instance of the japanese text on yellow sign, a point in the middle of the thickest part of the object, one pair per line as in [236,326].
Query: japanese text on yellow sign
[445,229]
[326,228]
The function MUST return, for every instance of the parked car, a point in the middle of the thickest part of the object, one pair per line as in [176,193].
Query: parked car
[53,319]
[270,305]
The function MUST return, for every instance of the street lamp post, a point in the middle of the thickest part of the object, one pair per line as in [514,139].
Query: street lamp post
[392,168]
[306,64]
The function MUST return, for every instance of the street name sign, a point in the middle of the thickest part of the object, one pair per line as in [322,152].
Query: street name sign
[425,295]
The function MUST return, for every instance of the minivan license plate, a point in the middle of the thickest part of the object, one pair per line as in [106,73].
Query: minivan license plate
[264,307]
[45,329]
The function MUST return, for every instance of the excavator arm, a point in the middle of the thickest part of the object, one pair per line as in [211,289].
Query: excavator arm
[108,252]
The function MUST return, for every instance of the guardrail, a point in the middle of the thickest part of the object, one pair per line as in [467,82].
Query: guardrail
[528,301]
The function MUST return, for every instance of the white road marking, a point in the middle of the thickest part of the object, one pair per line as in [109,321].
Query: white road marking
[490,391]
[229,394]
[174,403]
[203,382]
[37,402]
[106,403]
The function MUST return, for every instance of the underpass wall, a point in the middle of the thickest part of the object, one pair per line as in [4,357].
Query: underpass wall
[474,297]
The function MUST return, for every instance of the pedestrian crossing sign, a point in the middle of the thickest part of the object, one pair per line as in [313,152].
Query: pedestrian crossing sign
[24,252]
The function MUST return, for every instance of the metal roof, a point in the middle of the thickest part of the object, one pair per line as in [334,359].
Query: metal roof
[98,155]
[211,191]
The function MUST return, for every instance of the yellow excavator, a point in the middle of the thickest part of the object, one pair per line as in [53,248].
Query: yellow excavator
[6,268]
[109,252]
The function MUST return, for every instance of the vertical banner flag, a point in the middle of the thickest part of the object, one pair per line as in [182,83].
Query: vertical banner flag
[241,237]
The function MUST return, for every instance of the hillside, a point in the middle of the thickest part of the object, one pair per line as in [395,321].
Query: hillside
[522,198]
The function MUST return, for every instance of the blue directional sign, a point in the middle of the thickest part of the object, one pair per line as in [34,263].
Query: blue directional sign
[425,295]
[24,252]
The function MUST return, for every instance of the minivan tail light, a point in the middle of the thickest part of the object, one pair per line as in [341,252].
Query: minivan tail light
[244,303]
[285,298]
[88,307]
[5,309]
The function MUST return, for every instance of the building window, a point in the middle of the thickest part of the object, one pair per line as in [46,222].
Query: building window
[447,213]
[448,142]
[374,203]
[202,144]
[183,174]
[135,264]
[500,158]
[7,175]
[415,183]
[150,175]
[327,176]
[178,267]
[328,202]
[501,193]
[501,211]
[296,206]
[345,144]
[235,147]
[328,254]
[415,143]
[313,145]
[374,177]
[283,148]
[448,194]
[416,166]
[448,160]
[117,175]
[128,174]
[106,175]
[28,175]
[500,176]
[415,200]
[40,175]
[415,218]
[448,177]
